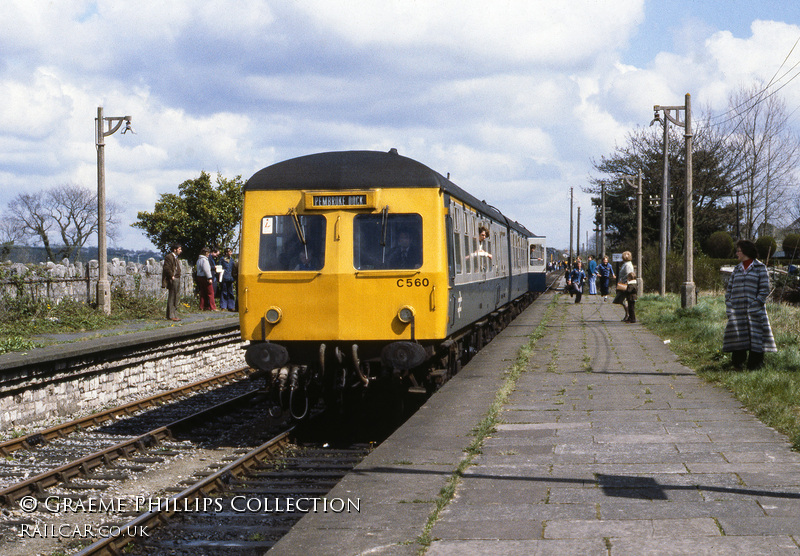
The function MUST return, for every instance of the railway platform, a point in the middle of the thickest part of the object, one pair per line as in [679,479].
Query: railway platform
[604,444]
[133,326]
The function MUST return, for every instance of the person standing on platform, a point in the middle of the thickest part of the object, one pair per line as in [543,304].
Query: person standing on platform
[205,282]
[748,327]
[213,257]
[622,284]
[226,295]
[576,278]
[605,273]
[171,280]
[591,275]
[633,295]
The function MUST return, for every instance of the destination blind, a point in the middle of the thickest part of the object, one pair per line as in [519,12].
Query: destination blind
[340,201]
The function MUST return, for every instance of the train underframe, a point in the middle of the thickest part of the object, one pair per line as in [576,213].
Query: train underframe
[345,376]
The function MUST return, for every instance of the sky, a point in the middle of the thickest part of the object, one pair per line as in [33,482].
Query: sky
[514,99]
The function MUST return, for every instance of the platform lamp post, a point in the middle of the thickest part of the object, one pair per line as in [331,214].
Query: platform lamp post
[101,132]
[688,287]
[638,185]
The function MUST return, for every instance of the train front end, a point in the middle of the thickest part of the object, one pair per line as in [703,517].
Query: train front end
[343,281]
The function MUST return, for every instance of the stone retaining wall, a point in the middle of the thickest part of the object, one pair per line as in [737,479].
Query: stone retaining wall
[80,386]
[78,281]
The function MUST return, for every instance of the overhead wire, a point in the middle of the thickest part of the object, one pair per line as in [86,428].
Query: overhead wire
[760,94]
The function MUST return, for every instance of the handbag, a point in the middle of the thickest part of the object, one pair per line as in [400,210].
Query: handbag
[622,287]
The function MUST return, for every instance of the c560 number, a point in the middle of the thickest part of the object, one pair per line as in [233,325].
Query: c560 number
[413,283]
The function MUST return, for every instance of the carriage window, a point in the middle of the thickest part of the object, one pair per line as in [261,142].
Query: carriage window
[393,242]
[537,254]
[292,242]
[457,253]
[467,260]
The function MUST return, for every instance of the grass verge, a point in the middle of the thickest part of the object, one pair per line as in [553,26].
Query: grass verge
[772,393]
[23,317]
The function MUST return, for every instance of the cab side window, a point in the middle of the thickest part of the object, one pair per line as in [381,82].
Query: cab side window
[393,241]
[292,242]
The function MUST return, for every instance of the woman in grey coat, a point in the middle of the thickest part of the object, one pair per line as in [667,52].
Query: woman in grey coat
[748,326]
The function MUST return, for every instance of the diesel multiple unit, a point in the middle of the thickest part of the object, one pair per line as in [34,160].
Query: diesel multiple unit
[367,271]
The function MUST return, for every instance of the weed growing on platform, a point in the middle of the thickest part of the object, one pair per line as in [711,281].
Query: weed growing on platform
[772,393]
[486,427]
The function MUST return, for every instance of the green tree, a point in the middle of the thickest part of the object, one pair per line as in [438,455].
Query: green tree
[719,245]
[713,210]
[766,246]
[200,214]
[791,245]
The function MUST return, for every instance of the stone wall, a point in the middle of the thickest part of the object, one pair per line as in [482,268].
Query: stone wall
[78,281]
[81,385]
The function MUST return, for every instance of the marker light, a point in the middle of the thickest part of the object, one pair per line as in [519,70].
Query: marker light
[406,314]
[273,315]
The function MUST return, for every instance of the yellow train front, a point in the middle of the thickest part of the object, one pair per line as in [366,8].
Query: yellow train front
[346,277]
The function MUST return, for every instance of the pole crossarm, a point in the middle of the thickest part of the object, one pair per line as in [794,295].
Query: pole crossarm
[667,109]
[115,121]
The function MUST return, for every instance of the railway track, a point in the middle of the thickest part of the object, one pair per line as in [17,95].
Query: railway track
[94,495]
[96,419]
[244,507]
[66,471]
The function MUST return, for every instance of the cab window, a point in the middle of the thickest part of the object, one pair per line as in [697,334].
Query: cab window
[390,241]
[292,242]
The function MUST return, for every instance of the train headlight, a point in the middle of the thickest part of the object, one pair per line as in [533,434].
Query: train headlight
[273,315]
[406,314]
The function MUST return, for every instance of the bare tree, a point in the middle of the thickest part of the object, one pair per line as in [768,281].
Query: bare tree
[67,212]
[9,235]
[765,151]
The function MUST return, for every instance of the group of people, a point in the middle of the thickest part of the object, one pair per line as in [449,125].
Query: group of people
[748,334]
[602,273]
[215,276]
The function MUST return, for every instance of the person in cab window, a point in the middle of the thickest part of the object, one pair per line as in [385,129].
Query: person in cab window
[484,256]
[405,254]
[305,261]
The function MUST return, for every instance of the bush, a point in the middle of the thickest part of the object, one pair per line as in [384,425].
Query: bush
[766,246]
[132,306]
[791,246]
[706,271]
[719,245]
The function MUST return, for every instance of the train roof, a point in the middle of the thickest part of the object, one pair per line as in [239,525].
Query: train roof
[364,170]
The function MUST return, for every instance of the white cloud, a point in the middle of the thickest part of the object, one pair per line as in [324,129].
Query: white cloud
[513,98]
[515,31]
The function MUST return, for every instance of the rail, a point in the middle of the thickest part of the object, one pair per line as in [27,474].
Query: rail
[113,545]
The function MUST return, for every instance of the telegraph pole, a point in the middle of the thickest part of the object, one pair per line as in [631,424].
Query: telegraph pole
[663,240]
[570,226]
[578,235]
[603,220]
[638,185]
[114,123]
[688,291]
